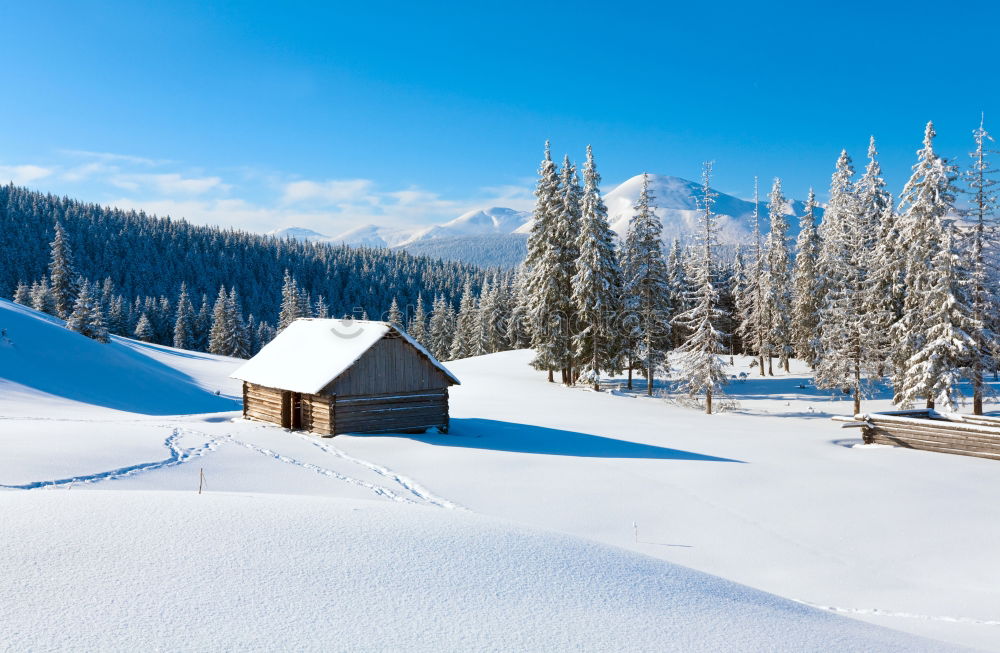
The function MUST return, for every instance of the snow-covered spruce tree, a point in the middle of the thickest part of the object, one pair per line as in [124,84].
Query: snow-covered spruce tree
[540,296]
[87,317]
[492,316]
[518,333]
[240,347]
[118,317]
[983,246]
[934,334]
[777,282]
[320,308]
[291,302]
[22,295]
[700,369]
[646,287]
[203,324]
[184,322]
[395,317]
[441,330]
[144,329]
[844,353]
[677,281]
[805,286]
[467,339]
[41,297]
[597,284]
[63,278]
[877,264]
[220,338]
[265,334]
[567,228]
[752,309]
[418,323]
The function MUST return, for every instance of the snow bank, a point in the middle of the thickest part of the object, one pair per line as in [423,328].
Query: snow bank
[39,355]
[168,571]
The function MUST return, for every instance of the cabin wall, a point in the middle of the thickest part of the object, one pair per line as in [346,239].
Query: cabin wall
[287,409]
[266,404]
[391,366]
[390,413]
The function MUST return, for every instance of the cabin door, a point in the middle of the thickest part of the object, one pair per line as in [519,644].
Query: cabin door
[296,399]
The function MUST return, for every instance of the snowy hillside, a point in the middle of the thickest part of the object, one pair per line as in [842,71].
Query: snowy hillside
[493,221]
[408,543]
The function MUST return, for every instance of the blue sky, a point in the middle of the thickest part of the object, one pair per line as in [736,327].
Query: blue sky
[326,115]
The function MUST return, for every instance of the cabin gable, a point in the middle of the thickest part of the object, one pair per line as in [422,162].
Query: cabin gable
[391,365]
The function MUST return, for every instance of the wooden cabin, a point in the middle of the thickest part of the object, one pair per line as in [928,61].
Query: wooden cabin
[346,376]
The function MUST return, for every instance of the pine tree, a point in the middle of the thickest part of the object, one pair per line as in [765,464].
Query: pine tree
[843,349]
[118,317]
[395,317]
[265,334]
[597,284]
[204,324]
[677,280]
[321,309]
[518,333]
[540,297]
[184,322]
[441,328]
[62,275]
[144,329]
[933,338]
[41,297]
[877,258]
[220,340]
[87,317]
[291,302]
[778,282]
[805,286]
[467,340]
[983,246]
[418,323]
[240,340]
[646,288]
[23,294]
[752,308]
[700,369]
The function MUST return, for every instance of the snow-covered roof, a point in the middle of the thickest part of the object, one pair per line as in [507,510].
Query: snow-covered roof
[310,353]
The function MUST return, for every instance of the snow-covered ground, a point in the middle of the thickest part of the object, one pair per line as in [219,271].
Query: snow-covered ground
[512,532]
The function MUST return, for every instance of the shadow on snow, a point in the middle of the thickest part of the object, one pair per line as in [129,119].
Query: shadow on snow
[495,435]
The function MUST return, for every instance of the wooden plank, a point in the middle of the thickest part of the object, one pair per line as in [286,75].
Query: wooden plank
[389,408]
[913,441]
[940,431]
[957,426]
[921,446]
[396,399]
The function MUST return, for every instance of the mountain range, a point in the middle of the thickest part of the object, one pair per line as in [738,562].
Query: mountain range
[497,235]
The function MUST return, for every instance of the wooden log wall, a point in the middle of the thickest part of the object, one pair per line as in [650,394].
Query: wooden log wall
[267,404]
[389,413]
[317,414]
[966,435]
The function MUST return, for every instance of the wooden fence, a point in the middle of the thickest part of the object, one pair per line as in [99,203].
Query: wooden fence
[966,435]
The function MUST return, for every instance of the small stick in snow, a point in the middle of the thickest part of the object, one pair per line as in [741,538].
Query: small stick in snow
[201,479]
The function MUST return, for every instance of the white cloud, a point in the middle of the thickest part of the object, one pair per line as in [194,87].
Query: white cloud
[333,191]
[251,198]
[171,183]
[23,174]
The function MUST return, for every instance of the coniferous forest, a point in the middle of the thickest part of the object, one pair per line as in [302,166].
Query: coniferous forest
[902,291]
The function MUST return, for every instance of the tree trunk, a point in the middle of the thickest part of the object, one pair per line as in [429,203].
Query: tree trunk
[930,402]
[977,391]
[630,375]
[649,379]
[760,364]
[551,379]
[788,365]
[708,402]
[857,387]
[770,365]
